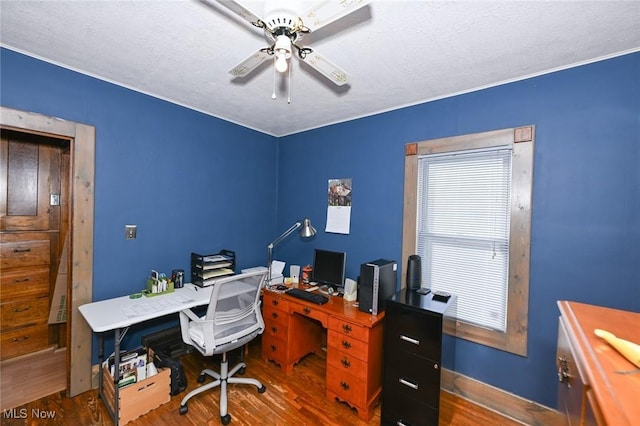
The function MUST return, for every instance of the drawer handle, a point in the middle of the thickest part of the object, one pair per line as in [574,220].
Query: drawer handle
[346,344]
[273,348]
[24,280]
[407,383]
[274,315]
[435,366]
[306,310]
[346,363]
[409,339]
[274,302]
[274,329]
[344,385]
[19,250]
[20,339]
[346,328]
[563,370]
[400,423]
[26,308]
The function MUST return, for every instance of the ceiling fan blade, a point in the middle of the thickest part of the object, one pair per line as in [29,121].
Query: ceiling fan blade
[325,12]
[327,68]
[242,12]
[249,64]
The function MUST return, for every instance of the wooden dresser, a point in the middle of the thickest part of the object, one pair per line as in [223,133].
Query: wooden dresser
[597,385]
[294,328]
[24,293]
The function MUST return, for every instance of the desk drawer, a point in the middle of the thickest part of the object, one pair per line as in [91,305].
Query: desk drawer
[349,329]
[24,312]
[24,283]
[274,300]
[276,329]
[347,345]
[347,387]
[308,311]
[274,349]
[24,253]
[24,340]
[342,362]
[273,315]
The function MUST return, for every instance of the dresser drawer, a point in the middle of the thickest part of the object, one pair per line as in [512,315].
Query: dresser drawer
[347,387]
[24,340]
[347,344]
[23,283]
[397,410]
[340,362]
[308,311]
[23,312]
[24,253]
[407,330]
[349,329]
[412,377]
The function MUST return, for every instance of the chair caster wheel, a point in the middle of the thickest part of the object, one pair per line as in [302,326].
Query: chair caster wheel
[225,419]
[262,389]
[183,409]
[202,378]
[242,370]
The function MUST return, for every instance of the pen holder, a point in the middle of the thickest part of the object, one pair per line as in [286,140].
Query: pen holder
[158,286]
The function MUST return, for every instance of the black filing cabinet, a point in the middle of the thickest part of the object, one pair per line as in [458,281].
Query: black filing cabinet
[414,354]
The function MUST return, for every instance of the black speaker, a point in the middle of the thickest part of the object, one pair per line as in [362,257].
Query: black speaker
[414,272]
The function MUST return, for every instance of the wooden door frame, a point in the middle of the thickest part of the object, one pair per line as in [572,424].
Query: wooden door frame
[82,151]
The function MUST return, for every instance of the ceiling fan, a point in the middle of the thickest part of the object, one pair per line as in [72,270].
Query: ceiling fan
[284,29]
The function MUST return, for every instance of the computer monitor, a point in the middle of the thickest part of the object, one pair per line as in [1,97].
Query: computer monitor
[329,268]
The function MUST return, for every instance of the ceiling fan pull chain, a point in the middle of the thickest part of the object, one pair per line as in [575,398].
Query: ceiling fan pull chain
[273,95]
[289,88]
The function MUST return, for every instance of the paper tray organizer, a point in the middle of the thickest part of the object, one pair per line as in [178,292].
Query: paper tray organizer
[207,268]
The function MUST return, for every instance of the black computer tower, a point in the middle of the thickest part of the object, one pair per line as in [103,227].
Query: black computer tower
[377,282]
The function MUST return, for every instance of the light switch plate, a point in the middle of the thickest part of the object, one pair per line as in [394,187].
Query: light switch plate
[130,232]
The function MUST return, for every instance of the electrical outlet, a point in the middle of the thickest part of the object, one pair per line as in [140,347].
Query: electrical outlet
[130,232]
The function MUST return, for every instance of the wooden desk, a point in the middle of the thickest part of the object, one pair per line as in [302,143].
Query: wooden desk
[354,345]
[592,390]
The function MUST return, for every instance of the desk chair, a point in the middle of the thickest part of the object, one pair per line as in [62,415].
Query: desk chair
[233,319]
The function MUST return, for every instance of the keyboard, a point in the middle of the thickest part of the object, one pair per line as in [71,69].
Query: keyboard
[316,298]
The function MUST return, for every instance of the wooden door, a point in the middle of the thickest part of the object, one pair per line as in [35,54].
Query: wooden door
[30,177]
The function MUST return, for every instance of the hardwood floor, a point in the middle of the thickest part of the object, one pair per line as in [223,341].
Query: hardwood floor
[297,399]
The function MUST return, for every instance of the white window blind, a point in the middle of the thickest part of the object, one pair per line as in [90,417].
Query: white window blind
[464,203]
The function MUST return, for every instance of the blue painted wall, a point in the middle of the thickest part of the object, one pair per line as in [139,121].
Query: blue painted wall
[190,182]
[210,177]
[586,200]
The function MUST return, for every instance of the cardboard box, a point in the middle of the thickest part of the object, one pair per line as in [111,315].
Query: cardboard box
[138,398]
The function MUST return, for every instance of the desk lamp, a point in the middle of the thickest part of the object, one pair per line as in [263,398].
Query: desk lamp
[307,231]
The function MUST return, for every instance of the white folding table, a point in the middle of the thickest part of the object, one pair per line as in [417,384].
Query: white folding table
[120,313]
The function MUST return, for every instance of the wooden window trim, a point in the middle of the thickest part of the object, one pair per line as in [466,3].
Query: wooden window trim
[521,140]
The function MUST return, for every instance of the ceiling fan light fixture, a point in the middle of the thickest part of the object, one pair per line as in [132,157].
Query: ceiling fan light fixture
[282,51]
[281,63]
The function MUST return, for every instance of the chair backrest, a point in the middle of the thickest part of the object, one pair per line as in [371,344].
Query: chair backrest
[234,308]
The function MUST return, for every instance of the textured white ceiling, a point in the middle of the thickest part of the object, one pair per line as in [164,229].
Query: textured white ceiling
[398,53]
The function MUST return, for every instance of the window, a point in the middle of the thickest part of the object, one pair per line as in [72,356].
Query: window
[468,214]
